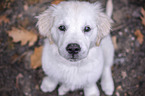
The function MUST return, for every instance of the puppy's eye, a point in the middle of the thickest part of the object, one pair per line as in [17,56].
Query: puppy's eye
[62,28]
[87,29]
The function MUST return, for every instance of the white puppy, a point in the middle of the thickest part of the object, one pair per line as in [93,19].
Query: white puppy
[73,60]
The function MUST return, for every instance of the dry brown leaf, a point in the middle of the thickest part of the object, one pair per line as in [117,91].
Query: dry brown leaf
[143,17]
[36,57]
[114,40]
[56,2]
[4,19]
[139,36]
[23,35]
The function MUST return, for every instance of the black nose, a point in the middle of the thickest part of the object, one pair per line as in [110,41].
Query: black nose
[73,48]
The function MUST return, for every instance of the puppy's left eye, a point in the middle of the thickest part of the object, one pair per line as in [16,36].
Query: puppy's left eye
[87,29]
[62,28]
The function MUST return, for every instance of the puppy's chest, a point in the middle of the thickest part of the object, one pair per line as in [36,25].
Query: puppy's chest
[76,75]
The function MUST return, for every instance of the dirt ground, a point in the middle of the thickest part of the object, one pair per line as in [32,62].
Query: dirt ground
[17,78]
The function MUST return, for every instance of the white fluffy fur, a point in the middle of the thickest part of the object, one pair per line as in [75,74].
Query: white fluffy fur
[93,61]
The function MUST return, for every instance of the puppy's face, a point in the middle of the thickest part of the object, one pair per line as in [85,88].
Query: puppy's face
[74,27]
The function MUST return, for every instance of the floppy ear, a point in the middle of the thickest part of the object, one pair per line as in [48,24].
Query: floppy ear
[45,22]
[103,25]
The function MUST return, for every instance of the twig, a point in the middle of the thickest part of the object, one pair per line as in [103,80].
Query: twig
[1,67]
[118,27]
[18,58]
[5,89]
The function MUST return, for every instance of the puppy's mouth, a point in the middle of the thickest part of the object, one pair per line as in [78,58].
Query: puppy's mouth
[73,58]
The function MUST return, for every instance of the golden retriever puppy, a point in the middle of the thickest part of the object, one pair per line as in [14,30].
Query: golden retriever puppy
[79,50]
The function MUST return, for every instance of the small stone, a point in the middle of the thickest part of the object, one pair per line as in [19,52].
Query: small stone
[81,93]
[119,88]
[124,74]
[25,7]
[120,33]
[139,77]
[132,38]
[137,43]
[119,55]
[136,13]
[127,50]
[37,87]
[126,30]
[117,94]
[119,60]
[125,94]
[137,86]
[30,76]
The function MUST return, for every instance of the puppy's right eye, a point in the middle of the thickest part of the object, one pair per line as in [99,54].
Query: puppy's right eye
[87,29]
[62,28]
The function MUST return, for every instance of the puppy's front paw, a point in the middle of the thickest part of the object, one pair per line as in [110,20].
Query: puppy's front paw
[48,85]
[107,86]
[62,90]
[92,91]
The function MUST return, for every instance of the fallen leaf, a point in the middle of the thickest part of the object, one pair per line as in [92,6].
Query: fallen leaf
[56,2]
[139,36]
[23,35]
[4,19]
[124,74]
[143,17]
[36,57]
[114,40]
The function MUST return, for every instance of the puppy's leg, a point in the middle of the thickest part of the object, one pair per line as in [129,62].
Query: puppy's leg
[62,90]
[91,90]
[48,85]
[106,79]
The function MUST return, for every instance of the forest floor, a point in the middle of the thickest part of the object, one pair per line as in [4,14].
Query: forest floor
[17,78]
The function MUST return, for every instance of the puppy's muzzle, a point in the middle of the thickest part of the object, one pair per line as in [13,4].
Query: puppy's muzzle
[73,48]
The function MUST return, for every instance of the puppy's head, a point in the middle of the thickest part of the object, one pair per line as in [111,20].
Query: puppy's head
[75,27]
